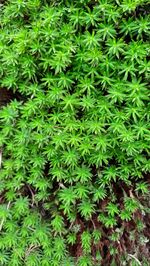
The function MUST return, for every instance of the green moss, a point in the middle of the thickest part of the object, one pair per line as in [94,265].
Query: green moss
[75,143]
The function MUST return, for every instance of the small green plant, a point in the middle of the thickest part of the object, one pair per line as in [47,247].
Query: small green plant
[74,139]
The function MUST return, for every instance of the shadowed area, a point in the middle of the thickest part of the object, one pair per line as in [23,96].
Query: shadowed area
[6,96]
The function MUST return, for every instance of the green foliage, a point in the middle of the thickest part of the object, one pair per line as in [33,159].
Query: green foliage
[77,129]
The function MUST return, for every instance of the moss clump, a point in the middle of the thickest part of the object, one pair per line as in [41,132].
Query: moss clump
[75,138]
